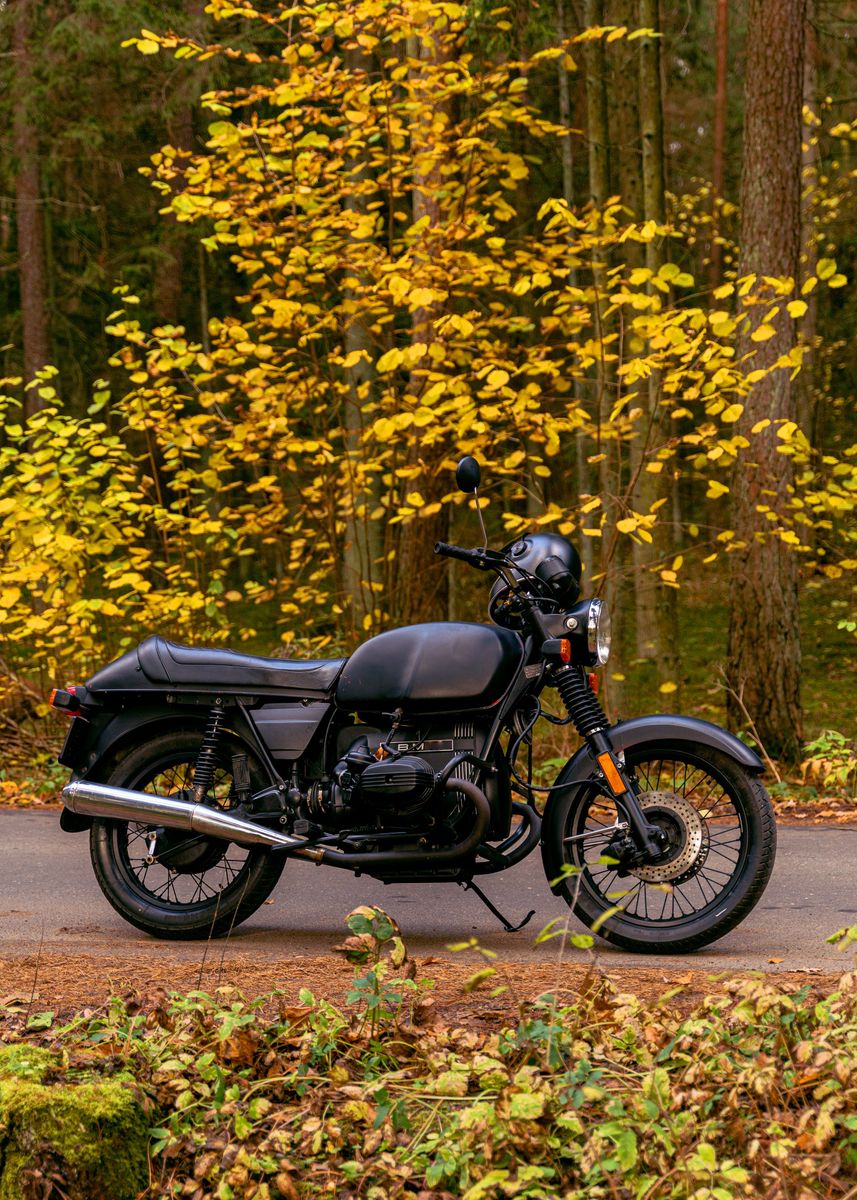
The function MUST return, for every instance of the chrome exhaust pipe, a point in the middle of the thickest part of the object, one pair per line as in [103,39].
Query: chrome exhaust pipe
[122,804]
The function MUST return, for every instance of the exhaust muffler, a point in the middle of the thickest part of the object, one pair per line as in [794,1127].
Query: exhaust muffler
[104,800]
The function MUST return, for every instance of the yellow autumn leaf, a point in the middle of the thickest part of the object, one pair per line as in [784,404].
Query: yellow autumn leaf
[732,413]
[422,297]
[415,499]
[147,46]
[837,281]
[497,378]
[668,687]
[627,524]
[763,333]
[796,308]
[716,489]
[825,268]
[384,428]
[389,361]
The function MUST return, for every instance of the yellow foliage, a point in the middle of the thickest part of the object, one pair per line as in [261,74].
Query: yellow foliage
[395,312]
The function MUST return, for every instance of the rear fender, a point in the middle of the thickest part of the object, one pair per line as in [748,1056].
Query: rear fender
[649,731]
[94,746]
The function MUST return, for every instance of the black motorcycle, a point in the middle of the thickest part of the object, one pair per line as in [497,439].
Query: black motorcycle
[198,772]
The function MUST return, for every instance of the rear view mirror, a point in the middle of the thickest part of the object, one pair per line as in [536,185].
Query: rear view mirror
[467,475]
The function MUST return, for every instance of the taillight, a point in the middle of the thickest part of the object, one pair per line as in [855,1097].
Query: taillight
[65,699]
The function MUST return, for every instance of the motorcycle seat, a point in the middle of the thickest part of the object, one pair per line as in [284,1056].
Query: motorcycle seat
[158,664]
[171,663]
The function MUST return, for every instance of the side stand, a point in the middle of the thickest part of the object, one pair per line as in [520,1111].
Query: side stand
[470,886]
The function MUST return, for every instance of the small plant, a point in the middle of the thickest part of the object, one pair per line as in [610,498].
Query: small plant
[376,943]
[832,761]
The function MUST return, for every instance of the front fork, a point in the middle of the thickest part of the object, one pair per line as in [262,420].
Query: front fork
[648,837]
[591,723]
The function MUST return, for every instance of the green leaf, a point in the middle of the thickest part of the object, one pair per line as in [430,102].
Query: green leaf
[526,1106]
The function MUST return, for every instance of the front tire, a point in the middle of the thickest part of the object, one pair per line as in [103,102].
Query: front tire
[196,887]
[722,835]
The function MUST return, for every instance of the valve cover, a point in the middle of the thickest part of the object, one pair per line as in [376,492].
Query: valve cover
[401,783]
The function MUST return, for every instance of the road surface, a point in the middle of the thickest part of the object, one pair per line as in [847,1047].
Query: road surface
[49,898]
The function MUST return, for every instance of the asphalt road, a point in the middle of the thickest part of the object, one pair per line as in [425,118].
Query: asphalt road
[49,899]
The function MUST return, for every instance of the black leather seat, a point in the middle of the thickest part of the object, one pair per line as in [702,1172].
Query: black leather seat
[164,662]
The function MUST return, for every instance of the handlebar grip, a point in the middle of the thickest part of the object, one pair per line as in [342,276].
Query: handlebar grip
[446,551]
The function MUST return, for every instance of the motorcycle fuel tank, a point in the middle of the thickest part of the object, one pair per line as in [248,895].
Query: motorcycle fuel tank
[441,667]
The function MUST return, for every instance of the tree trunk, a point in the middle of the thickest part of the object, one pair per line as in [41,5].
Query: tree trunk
[610,468]
[597,128]
[578,480]
[657,603]
[764,634]
[28,199]
[362,542]
[626,146]
[805,382]
[721,103]
[429,601]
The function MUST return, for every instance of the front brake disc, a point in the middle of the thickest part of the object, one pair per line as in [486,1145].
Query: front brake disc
[687,837]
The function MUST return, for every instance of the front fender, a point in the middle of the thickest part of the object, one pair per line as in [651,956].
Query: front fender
[651,731]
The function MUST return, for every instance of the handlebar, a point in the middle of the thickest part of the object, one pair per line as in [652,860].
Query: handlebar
[495,560]
[475,557]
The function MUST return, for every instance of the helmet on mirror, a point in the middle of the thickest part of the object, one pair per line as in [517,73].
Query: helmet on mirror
[552,561]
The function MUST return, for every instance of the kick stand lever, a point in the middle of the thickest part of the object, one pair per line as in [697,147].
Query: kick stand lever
[470,886]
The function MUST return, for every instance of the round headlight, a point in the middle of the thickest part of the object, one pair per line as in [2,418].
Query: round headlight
[598,632]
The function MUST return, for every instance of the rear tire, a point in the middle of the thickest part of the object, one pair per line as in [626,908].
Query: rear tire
[721,864]
[203,887]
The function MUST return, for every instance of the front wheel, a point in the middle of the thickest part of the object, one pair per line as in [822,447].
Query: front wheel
[720,845]
[169,882]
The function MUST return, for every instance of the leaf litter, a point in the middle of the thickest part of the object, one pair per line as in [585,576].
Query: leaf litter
[377,1076]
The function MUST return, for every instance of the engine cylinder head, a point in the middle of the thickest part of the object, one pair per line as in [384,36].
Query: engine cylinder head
[404,783]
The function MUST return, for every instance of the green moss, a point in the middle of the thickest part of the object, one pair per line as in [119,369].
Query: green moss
[18,1060]
[90,1136]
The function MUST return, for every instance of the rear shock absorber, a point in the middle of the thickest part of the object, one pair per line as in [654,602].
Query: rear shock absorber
[581,702]
[206,759]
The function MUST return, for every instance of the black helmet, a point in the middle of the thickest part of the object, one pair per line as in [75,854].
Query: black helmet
[552,560]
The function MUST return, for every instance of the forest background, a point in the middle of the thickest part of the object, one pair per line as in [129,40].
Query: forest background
[267,271]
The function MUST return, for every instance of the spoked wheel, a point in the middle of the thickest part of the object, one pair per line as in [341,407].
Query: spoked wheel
[169,882]
[720,841]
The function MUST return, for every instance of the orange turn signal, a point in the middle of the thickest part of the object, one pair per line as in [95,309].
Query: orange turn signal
[612,776]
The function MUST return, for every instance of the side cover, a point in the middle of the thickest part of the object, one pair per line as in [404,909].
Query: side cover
[440,667]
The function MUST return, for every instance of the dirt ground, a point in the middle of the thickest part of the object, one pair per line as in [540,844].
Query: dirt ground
[68,984]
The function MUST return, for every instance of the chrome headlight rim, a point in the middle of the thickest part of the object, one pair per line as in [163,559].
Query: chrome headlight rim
[598,632]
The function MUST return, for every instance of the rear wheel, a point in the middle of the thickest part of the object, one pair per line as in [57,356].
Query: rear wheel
[168,882]
[720,837]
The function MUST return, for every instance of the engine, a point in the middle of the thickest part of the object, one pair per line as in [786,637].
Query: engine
[388,780]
